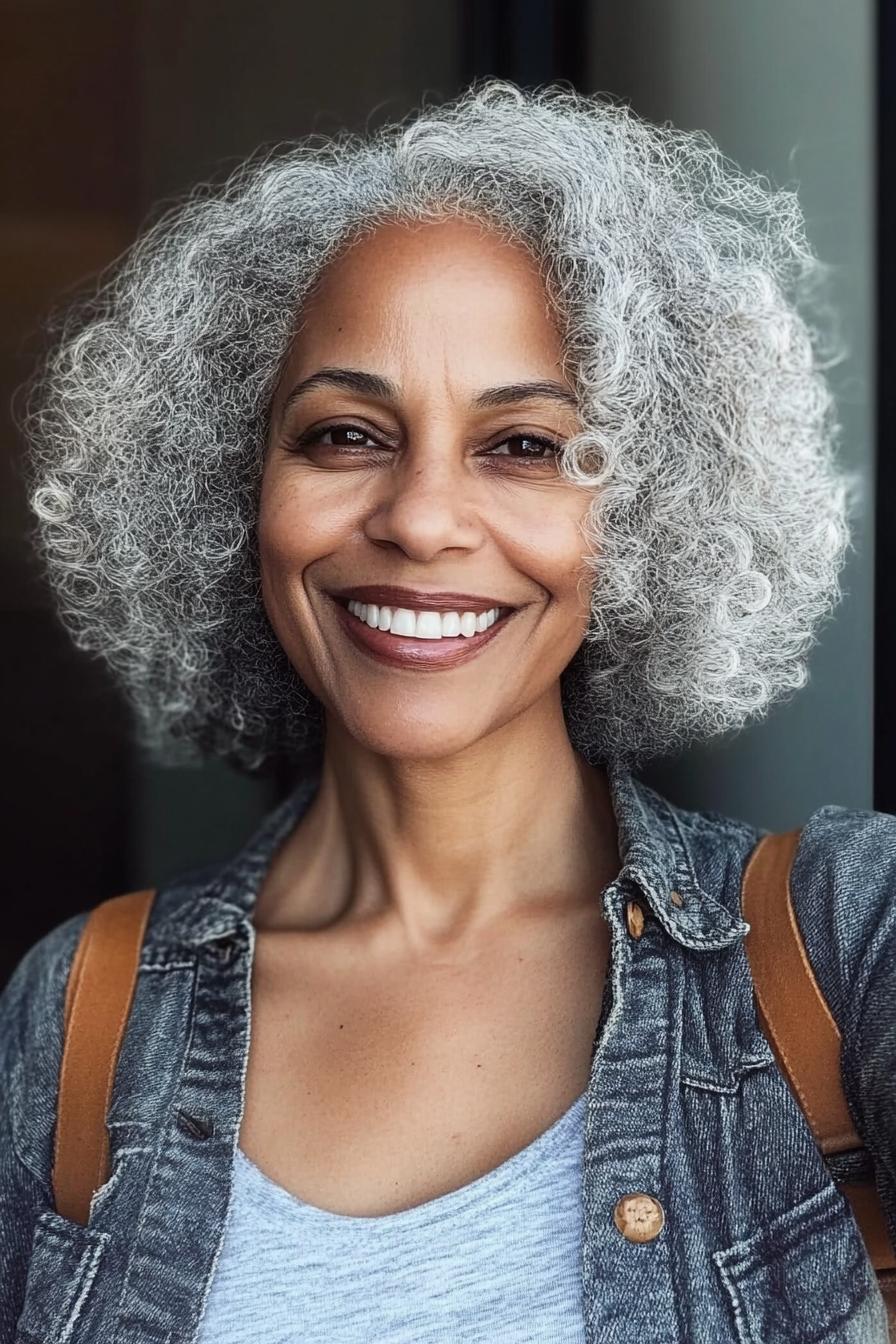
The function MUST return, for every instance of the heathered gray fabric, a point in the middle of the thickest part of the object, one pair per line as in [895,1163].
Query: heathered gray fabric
[497,1261]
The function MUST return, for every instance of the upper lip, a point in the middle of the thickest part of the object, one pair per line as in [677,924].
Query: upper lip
[387,595]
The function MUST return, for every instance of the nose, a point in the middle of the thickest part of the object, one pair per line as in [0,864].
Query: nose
[429,502]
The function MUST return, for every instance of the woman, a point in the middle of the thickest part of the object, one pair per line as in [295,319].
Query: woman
[476,461]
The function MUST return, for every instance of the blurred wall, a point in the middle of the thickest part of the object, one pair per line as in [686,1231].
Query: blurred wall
[68,205]
[786,87]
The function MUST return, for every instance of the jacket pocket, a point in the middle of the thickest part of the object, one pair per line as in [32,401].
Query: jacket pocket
[65,1257]
[805,1278]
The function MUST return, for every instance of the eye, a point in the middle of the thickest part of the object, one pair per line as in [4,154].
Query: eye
[350,440]
[345,436]
[532,449]
[342,445]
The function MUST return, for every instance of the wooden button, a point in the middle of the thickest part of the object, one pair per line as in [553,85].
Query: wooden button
[639,1217]
[634,918]
[676,898]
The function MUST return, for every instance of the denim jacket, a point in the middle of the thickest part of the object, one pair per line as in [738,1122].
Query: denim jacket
[685,1101]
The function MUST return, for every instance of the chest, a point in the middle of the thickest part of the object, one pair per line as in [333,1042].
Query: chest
[373,1088]
[685,1105]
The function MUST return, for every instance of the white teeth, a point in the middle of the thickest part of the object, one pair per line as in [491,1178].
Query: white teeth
[404,622]
[423,624]
[429,625]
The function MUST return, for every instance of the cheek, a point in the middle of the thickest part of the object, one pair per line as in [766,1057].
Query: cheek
[294,526]
[554,552]
[291,536]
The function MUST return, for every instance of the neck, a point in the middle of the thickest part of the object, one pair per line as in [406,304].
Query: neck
[438,851]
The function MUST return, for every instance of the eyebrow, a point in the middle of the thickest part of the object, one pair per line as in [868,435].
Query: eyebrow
[374,385]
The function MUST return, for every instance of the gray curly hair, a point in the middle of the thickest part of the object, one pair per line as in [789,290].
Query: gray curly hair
[697,337]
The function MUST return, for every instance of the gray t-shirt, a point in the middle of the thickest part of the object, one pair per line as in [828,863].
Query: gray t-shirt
[496,1262]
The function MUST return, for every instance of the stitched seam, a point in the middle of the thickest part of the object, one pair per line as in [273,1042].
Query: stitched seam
[879,1155]
[89,1276]
[159,1144]
[706,1086]
[680,843]
[742,1325]
[26,1166]
[247,978]
[100,1194]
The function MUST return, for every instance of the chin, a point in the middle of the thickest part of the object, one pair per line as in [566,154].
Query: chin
[411,739]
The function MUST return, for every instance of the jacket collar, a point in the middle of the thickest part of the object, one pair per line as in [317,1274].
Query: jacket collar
[656,862]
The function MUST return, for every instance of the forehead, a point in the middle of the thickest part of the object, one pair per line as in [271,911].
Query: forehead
[446,289]
[456,245]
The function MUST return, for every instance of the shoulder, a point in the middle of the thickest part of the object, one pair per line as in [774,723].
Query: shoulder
[842,883]
[843,890]
[34,996]
[32,999]
[31,1037]
[32,1014]
[842,887]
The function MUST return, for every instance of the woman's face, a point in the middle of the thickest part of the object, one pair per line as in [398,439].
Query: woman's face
[413,446]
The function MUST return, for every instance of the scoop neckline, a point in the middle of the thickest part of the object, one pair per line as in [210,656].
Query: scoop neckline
[513,1165]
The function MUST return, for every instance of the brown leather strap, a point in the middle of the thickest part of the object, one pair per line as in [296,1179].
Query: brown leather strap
[98,1000]
[798,1023]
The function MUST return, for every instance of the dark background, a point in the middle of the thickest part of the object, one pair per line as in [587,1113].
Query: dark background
[110,108]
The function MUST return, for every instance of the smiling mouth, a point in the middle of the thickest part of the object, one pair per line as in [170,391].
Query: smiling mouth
[414,623]
[416,638]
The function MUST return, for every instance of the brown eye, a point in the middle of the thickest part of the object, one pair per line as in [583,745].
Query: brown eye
[530,449]
[345,436]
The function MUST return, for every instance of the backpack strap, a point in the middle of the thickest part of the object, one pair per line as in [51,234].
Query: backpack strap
[98,1000]
[799,1025]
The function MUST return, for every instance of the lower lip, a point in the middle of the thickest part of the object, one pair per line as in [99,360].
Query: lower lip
[424,654]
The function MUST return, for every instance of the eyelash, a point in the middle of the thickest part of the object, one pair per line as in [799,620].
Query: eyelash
[312,436]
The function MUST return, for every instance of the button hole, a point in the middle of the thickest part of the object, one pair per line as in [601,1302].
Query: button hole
[222,949]
[198,1127]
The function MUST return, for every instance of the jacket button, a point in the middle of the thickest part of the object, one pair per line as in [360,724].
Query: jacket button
[634,918]
[676,898]
[639,1217]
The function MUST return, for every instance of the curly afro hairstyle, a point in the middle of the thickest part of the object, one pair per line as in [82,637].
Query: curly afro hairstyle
[697,335]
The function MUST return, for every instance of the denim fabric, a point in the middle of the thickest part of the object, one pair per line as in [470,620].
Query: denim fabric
[685,1100]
